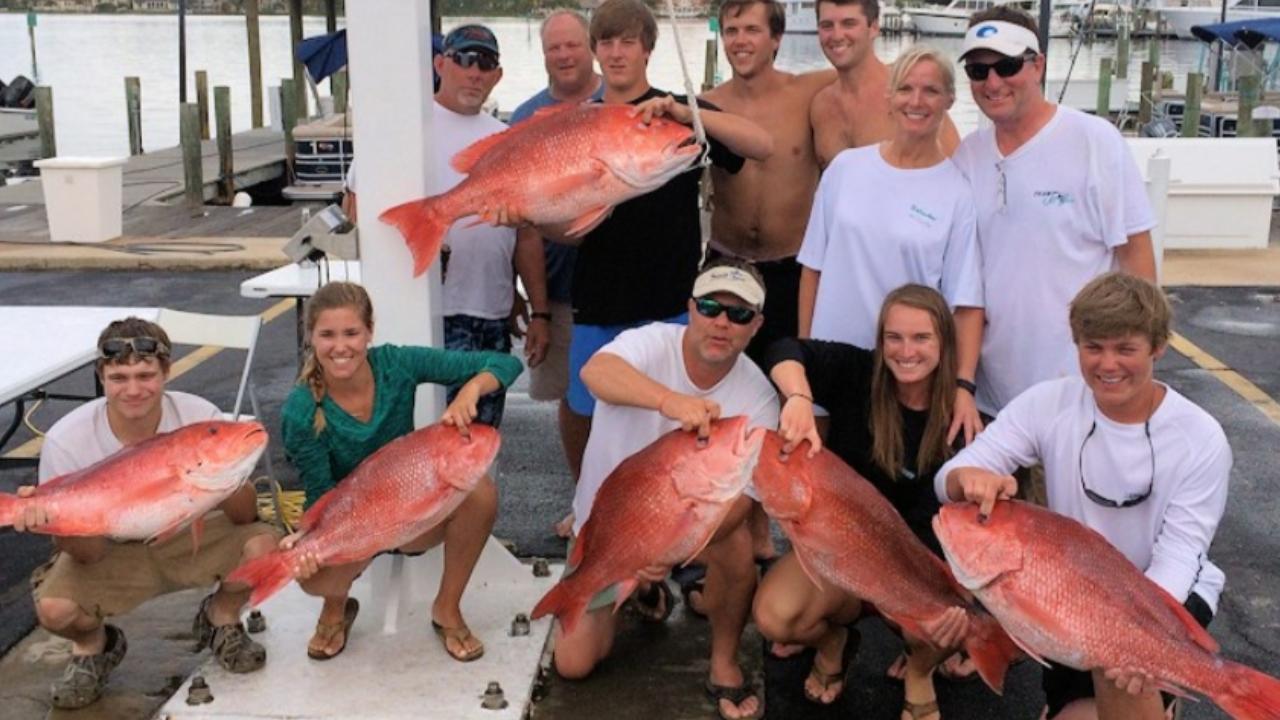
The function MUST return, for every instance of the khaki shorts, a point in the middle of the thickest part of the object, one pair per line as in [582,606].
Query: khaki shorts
[550,379]
[132,573]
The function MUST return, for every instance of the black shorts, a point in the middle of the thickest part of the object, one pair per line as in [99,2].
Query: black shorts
[1063,685]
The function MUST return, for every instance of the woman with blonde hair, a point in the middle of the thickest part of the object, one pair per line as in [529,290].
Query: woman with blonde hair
[351,399]
[890,410]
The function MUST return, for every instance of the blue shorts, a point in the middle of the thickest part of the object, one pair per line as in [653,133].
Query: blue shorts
[464,332]
[587,339]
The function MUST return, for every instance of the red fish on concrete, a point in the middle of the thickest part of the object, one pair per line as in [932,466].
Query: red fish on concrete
[1064,593]
[406,488]
[564,166]
[844,531]
[150,490]
[661,506]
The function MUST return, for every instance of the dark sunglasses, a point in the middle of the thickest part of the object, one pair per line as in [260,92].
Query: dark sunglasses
[1132,500]
[711,308]
[1004,67]
[140,346]
[465,60]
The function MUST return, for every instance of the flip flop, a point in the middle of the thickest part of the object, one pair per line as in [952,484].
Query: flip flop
[459,634]
[326,631]
[655,604]
[735,694]
[852,640]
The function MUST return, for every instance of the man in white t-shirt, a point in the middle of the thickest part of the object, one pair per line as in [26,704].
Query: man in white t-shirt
[478,282]
[93,578]
[1060,201]
[654,379]
[1123,454]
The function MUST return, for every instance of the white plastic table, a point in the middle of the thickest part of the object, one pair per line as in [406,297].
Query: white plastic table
[299,281]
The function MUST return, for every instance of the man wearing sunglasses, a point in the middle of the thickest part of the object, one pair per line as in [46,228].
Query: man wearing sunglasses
[90,579]
[651,380]
[1060,201]
[1123,454]
[479,285]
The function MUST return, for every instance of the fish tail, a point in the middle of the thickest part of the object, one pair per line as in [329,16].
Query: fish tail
[1247,694]
[563,602]
[990,648]
[267,575]
[423,228]
[10,506]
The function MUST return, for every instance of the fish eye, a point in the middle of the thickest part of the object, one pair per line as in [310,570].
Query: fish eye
[213,431]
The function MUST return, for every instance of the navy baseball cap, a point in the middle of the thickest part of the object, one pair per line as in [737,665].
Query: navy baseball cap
[471,37]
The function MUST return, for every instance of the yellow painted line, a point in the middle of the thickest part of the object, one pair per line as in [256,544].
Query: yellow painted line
[1232,379]
[31,448]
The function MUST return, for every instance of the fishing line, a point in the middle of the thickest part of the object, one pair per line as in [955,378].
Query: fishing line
[1088,18]
[704,160]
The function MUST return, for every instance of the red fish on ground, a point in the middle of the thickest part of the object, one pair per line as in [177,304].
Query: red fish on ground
[661,506]
[406,488]
[150,490]
[1064,593]
[565,165]
[844,531]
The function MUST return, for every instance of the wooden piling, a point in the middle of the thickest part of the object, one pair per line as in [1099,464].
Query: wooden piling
[1146,100]
[1248,87]
[288,117]
[340,91]
[1122,49]
[1104,89]
[295,39]
[44,117]
[255,62]
[1191,111]
[192,171]
[709,65]
[202,102]
[133,109]
[226,168]
[331,16]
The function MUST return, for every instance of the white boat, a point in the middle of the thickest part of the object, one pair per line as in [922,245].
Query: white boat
[1180,19]
[953,20]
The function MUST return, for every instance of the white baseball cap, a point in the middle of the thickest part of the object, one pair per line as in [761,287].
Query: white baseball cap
[1003,37]
[726,278]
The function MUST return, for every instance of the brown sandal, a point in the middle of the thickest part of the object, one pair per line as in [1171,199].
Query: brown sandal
[826,679]
[326,631]
[459,635]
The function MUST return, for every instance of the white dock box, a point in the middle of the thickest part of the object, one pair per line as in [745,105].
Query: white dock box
[83,198]
[1220,189]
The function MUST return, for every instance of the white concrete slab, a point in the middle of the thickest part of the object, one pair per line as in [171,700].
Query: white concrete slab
[389,675]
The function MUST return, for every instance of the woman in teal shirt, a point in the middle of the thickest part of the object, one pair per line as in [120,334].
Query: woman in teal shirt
[352,399]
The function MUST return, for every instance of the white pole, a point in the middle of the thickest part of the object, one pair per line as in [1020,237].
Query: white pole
[389,46]
[1159,169]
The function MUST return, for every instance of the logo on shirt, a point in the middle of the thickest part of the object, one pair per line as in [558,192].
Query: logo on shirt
[921,215]
[1054,198]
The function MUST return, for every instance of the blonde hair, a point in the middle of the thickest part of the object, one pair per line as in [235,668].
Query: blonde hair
[913,56]
[888,449]
[330,297]
[1117,304]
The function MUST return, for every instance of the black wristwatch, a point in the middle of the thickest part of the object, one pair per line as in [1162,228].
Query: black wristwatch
[968,386]
[540,316]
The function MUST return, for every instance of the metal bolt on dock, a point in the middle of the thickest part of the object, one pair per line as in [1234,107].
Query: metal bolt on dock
[541,568]
[520,625]
[493,697]
[256,623]
[199,693]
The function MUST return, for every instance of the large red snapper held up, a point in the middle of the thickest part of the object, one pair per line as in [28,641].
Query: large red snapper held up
[409,486]
[150,490]
[661,506]
[565,165]
[1064,593]
[846,532]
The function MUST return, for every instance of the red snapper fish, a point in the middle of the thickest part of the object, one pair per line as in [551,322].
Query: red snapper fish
[565,165]
[406,488]
[1064,593]
[150,490]
[846,532]
[661,506]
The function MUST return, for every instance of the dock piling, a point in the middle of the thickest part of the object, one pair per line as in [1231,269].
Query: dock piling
[1122,48]
[255,62]
[1248,87]
[1146,97]
[226,168]
[709,65]
[192,172]
[288,117]
[1191,111]
[202,102]
[1104,89]
[44,117]
[340,91]
[133,109]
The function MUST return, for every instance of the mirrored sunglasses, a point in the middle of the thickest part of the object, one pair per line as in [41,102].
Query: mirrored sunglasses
[140,346]
[711,308]
[1004,67]
[464,60]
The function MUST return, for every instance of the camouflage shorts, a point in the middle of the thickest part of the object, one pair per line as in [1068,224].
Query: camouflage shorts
[465,332]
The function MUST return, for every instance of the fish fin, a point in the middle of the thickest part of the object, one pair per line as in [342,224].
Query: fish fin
[579,548]
[565,603]
[624,590]
[166,534]
[266,575]
[197,532]
[1198,634]
[804,565]
[312,516]
[990,648]
[10,506]
[548,110]
[466,158]
[588,221]
[1030,653]
[423,230]
[1248,694]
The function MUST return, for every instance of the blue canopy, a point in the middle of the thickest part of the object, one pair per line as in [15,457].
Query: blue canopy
[325,55]
[1249,33]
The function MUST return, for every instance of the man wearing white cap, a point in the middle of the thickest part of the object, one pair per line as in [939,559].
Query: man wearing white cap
[654,379]
[1060,201]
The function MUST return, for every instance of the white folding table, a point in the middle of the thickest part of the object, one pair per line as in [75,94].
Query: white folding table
[299,281]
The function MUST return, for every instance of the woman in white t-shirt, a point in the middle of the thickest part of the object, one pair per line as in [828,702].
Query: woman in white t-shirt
[896,213]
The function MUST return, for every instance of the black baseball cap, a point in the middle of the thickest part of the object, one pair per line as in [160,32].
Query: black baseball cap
[471,37]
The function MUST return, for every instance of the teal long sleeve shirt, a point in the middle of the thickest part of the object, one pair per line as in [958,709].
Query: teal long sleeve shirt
[324,459]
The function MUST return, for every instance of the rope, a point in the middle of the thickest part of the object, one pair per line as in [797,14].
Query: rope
[704,160]
[1088,16]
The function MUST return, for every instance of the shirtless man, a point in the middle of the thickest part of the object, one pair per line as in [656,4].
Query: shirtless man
[854,110]
[760,213]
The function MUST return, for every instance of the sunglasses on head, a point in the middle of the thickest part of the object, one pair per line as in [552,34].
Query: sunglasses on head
[711,308]
[465,60]
[140,346]
[1004,67]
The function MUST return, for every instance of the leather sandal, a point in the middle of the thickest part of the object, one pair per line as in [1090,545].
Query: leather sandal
[825,679]
[735,694]
[460,635]
[327,631]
